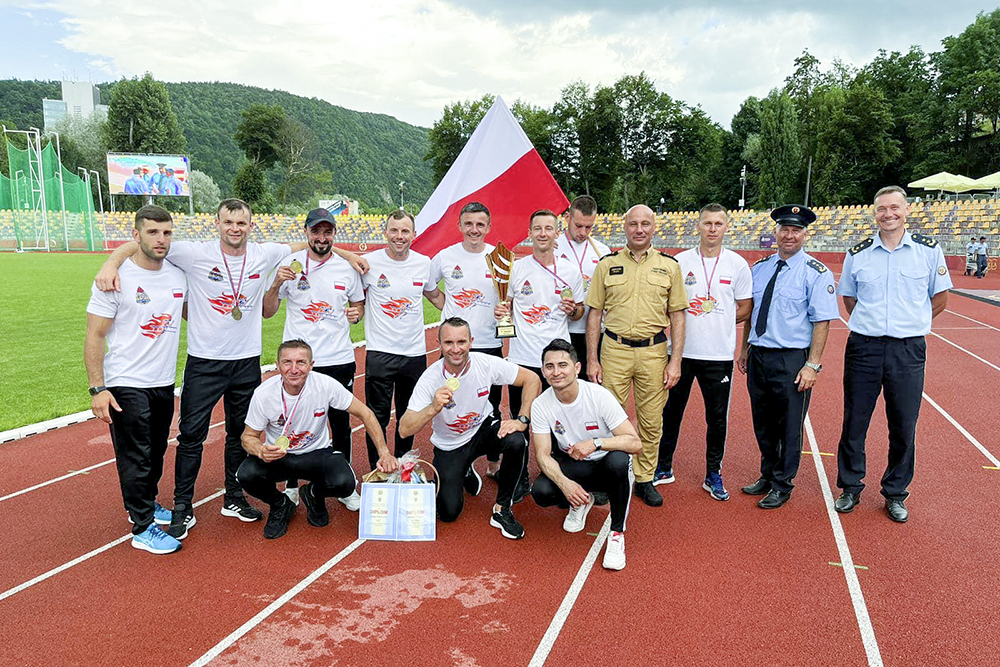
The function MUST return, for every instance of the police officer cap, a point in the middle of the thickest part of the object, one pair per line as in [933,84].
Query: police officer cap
[794,215]
[318,215]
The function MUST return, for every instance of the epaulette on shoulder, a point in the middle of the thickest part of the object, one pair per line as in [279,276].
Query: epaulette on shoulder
[924,240]
[666,255]
[761,260]
[861,246]
[818,265]
[610,254]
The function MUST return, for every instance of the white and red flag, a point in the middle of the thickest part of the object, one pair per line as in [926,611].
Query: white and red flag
[499,168]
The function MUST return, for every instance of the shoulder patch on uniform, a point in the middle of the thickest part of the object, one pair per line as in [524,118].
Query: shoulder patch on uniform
[861,246]
[610,254]
[818,265]
[924,240]
[663,254]
[761,260]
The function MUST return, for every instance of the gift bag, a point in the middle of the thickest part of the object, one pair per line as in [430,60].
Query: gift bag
[400,506]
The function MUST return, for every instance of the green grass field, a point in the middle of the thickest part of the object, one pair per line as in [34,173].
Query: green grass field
[42,324]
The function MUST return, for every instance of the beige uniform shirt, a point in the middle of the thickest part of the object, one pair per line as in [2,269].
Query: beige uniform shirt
[634,293]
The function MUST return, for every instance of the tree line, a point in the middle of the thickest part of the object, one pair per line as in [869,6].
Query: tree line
[898,118]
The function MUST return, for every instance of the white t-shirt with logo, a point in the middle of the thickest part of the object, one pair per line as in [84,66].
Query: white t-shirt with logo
[316,300]
[710,330]
[537,318]
[468,291]
[301,418]
[394,309]
[143,339]
[594,414]
[456,424]
[585,256]
[212,331]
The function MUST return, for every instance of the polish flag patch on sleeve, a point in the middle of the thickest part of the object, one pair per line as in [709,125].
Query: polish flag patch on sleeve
[341,286]
[483,391]
[725,280]
[178,294]
[592,426]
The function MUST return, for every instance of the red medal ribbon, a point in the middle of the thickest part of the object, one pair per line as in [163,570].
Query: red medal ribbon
[236,288]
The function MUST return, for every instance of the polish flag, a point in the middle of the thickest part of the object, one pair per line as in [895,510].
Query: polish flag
[499,168]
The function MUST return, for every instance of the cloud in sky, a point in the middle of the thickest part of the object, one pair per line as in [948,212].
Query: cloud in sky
[408,58]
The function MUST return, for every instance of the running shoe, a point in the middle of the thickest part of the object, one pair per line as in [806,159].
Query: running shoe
[614,552]
[351,502]
[180,521]
[576,519]
[161,515]
[316,512]
[662,476]
[508,525]
[239,507]
[473,482]
[155,541]
[278,518]
[713,484]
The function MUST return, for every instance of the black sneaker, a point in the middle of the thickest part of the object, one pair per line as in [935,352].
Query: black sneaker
[522,490]
[473,482]
[180,521]
[278,518]
[508,525]
[241,509]
[645,492]
[317,514]
[601,498]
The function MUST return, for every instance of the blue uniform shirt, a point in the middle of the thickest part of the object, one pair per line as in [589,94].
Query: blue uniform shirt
[803,294]
[894,288]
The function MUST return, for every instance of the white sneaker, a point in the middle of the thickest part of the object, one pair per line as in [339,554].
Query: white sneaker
[576,520]
[293,494]
[614,553]
[352,502]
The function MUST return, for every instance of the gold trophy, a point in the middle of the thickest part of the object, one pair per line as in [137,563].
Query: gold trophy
[500,262]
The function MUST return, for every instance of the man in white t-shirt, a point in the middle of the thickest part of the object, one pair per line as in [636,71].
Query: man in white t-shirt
[396,349]
[720,293]
[577,245]
[132,384]
[583,443]
[227,279]
[546,293]
[286,436]
[453,395]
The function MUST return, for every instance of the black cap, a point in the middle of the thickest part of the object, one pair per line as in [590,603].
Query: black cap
[793,215]
[318,215]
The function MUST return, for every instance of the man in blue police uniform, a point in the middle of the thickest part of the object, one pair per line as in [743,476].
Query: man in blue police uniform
[893,284]
[793,303]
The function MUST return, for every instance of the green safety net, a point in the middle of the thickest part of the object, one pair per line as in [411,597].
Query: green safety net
[51,208]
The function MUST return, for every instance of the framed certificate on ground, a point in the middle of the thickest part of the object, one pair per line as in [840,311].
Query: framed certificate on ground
[397,512]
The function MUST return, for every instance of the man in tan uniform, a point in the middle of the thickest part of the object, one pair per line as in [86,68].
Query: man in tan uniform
[640,293]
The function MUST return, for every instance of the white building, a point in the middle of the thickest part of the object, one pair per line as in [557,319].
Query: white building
[79,98]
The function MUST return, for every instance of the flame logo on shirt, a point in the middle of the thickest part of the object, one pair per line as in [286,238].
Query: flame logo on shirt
[398,307]
[537,314]
[466,422]
[299,439]
[696,306]
[469,297]
[318,310]
[156,326]
[224,304]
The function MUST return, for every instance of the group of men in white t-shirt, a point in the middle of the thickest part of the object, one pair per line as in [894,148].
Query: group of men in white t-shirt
[582,438]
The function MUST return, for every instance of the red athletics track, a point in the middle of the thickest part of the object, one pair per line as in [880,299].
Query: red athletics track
[706,583]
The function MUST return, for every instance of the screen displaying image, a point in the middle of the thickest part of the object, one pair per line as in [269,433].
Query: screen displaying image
[137,174]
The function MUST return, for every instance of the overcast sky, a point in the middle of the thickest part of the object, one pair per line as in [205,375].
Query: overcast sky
[408,58]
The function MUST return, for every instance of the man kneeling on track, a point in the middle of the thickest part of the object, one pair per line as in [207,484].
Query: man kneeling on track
[454,394]
[289,411]
[593,441]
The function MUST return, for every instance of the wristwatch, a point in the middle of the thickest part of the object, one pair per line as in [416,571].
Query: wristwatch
[598,444]
[815,367]
[524,419]
[94,391]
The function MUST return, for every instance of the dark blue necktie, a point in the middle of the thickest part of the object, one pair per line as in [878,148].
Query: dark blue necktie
[765,301]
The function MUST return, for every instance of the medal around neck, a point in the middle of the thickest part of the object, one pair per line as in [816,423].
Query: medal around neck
[296,266]
[237,313]
[566,294]
[453,384]
[707,306]
[499,262]
[282,442]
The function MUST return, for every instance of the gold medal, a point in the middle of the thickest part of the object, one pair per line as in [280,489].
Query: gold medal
[453,384]
[282,442]
[707,306]
[296,266]
[566,294]
[237,313]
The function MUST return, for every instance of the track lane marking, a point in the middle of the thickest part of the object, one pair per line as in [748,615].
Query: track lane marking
[847,562]
[262,615]
[989,326]
[961,429]
[556,626]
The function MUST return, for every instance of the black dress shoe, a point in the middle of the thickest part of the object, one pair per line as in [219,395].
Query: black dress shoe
[896,510]
[645,492]
[774,499]
[758,488]
[847,502]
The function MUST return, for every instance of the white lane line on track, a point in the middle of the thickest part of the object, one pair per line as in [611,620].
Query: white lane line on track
[87,556]
[77,472]
[261,616]
[556,626]
[961,429]
[850,572]
[966,317]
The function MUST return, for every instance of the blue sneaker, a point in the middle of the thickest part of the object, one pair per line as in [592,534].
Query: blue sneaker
[161,515]
[662,476]
[155,541]
[713,484]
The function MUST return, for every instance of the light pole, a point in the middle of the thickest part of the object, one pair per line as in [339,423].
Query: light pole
[62,187]
[743,183]
[100,201]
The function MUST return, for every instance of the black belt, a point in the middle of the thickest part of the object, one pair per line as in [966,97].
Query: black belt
[655,340]
[883,339]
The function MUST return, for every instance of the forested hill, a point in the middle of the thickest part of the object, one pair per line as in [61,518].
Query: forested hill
[368,154]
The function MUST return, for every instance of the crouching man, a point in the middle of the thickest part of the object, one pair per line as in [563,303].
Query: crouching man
[287,436]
